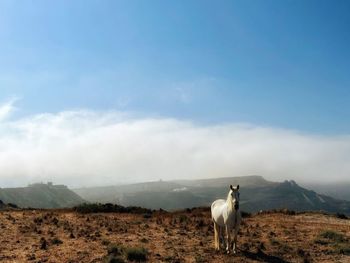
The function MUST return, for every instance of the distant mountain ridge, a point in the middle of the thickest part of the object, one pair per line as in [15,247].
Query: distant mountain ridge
[338,190]
[246,181]
[256,194]
[41,196]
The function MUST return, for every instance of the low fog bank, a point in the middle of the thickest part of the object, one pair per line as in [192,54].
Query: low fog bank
[87,148]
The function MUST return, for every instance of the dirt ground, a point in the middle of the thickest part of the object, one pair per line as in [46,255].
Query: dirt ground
[67,236]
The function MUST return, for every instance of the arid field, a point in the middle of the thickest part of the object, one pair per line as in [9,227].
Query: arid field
[186,236]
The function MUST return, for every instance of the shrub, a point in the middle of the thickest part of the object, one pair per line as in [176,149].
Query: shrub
[110,208]
[138,254]
[144,240]
[114,249]
[341,216]
[245,214]
[274,242]
[343,249]
[56,241]
[200,223]
[170,259]
[148,215]
[12,205]
[183,218]
[115,253]
[199,259]
[43,243]
[38,220]
[280,211]
[321,241]
[300,252]
[118,253]
[332,235]
[113,259]
[105,242]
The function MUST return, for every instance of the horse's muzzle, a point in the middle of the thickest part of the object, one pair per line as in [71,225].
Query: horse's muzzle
[236,206]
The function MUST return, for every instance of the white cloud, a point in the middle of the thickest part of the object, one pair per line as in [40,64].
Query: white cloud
[82,148]
[7,108]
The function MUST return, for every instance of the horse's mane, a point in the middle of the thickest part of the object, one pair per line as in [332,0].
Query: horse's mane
[229,201]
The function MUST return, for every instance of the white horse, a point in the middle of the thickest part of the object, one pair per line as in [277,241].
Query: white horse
[226,217]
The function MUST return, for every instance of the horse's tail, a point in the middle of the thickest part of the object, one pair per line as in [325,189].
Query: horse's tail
[216,236]
[212,210]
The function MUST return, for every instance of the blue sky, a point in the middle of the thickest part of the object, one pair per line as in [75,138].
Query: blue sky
[274,63]
[109,92]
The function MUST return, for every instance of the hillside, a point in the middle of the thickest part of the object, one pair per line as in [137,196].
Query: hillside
[338,190]
[256,194]
[40,196]
[185,236]
[167,189]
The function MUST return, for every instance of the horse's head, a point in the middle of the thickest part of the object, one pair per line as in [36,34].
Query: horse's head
[234,192]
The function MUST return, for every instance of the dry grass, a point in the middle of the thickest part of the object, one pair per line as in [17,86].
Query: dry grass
[67,236]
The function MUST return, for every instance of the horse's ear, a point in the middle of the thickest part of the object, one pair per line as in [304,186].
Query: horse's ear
[237,186]
[231,187]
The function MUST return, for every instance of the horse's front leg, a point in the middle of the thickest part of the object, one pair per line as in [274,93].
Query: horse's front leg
[234,245]
[228,239]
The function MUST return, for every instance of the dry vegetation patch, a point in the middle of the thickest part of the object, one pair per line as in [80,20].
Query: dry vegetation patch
[158,236]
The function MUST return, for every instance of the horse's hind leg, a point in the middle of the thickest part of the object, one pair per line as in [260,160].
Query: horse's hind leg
[221,237]
[216,236]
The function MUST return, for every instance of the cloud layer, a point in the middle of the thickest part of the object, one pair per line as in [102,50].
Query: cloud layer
[84,148]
